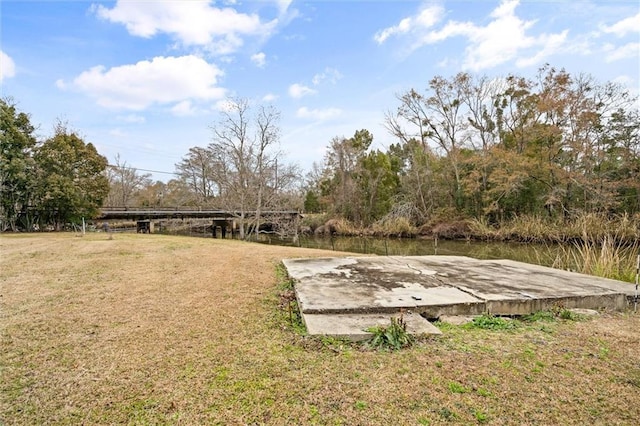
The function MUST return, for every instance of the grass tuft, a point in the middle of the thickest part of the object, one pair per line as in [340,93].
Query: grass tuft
[394,336]
[490,322]
[394,227]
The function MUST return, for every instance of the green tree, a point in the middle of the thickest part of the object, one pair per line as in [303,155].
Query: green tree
[311,202]
[377,179]
[16,166]
[342,166]
[437,118]
[618,169]
[72,182]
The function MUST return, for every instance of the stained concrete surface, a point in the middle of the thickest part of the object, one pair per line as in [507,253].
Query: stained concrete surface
[331,292]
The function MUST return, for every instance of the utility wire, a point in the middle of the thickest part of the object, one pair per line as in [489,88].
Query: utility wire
[142,170]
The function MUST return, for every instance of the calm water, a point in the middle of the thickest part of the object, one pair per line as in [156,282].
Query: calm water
[530,253]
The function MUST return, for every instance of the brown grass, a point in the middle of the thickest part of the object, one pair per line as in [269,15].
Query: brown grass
[610,259]
[150,329]
[586,227]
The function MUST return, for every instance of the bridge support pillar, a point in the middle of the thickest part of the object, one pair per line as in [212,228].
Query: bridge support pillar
[223,228]
[144,227]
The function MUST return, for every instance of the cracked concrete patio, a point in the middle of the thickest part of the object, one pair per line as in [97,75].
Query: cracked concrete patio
[343,296]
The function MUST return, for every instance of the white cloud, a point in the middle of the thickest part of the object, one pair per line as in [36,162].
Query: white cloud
[184,108]
[283,5]
[299,90]
[7,66]
[505,38]
[426,18]
[163,80]
[269,97]
[118,133]
[629,50]
[259,59]
[490,45]
[623,79]
[131,118]
[331,75]
[623,27]
[191,23]
[318,114]
[551,44]
[443,63]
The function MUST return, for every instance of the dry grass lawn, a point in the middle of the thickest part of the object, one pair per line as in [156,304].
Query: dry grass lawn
[150,329]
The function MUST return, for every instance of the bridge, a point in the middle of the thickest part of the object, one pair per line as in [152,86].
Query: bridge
[138,213]
[223,219]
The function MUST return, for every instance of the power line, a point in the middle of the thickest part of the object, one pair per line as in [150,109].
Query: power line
[142,170]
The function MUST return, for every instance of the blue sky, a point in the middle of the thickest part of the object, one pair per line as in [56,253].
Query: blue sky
[147,79]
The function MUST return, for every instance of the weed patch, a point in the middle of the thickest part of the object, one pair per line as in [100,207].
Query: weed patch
[540,316]
[490,322]
[394,336]
[455,387]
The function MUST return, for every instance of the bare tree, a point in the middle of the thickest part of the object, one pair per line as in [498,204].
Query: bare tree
[244,149]
[437,118]
[124,182]
[198,170]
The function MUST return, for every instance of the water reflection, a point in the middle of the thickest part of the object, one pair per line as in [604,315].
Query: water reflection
[530,253]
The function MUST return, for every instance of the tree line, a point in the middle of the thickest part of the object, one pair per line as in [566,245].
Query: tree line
[46,183]
[554,146]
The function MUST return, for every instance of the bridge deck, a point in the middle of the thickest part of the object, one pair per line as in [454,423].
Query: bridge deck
[180,213]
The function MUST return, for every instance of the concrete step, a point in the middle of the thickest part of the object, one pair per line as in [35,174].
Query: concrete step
[354,326]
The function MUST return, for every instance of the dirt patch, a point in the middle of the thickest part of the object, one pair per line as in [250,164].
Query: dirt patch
[150,329]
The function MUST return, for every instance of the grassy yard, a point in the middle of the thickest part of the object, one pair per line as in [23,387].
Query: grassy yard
[150,329]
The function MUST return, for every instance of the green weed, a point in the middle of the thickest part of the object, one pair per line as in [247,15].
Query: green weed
[394,336]
[481,416]
[483,392]
[361,405]
[490,322]
[540,316]
[456,387]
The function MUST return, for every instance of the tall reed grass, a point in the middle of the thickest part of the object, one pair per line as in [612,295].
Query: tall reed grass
[591,243]
[609,258]
[393,227]
[588,227]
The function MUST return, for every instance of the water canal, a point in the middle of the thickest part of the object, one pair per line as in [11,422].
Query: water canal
[539,254]
[617,261]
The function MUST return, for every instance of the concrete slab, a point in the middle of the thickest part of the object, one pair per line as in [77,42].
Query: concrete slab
[445,285]
[354,326]
[376,285]
[515,288]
